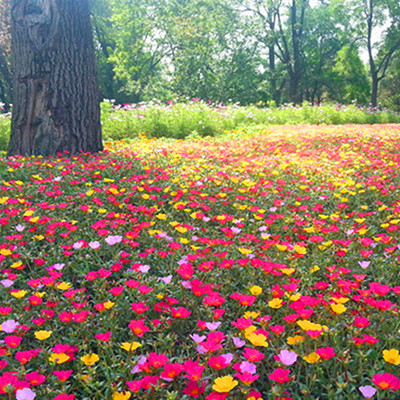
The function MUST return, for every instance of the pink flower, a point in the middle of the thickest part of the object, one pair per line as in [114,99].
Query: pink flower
[286,357]
[25,394]
[113,239]
[367,391]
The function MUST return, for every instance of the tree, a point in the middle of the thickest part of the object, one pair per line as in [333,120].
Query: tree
[350,77]
[5,41]
[389,93]
[377,18]
[105,45]
[56,105]
[140,44]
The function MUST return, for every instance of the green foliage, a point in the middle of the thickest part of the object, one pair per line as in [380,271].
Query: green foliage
[390,87]
[351,77]
[198,118]
[243,50]
[5,124]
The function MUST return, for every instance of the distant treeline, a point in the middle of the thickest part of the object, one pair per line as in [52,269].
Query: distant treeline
[247,51]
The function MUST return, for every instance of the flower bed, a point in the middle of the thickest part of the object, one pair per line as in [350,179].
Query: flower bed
[242,267]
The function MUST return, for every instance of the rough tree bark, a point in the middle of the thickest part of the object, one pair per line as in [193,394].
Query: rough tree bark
[56,106]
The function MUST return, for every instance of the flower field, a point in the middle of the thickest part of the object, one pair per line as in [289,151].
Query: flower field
[263,266]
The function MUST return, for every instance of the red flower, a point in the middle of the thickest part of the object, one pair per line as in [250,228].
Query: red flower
[64,396]
[171,371]
[63,375]
[139,308]
[253,355]
[35,378]
[138,327]
[220,362]
[104,337]
[280,375]
[326,352]
[157,360]
[193,389]
[386,381]
[247,378]
[180,312]
[12,341]
[193,370]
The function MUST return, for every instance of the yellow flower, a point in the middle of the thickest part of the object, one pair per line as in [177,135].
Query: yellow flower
[108,304]
[59,358]
[312,358]
[42,335]
[161,216]
[256,290]
[310,326]
[63,286]
[257,339]
[244,251]
[340,300]
[16,265]
[181,229]
[251,314]
[300,249]
[295,339]
[224,384]
[130,346]
[122,396]
[5,252]
[391,356]
[90,359]
[338,308]
[275,303]
[287,271]
[19,294]
[295,297]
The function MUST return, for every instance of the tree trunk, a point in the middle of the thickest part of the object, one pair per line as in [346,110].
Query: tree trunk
[374,90]
[272,68]
[56,106]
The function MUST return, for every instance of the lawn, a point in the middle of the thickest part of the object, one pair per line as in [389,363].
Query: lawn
[261,265]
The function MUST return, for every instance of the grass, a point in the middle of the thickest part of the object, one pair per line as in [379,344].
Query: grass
[199,119]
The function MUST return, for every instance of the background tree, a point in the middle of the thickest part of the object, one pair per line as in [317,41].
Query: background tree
[350,77]
[390,87]
[104,45]
[382,17]
[56,105]
[5,54]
